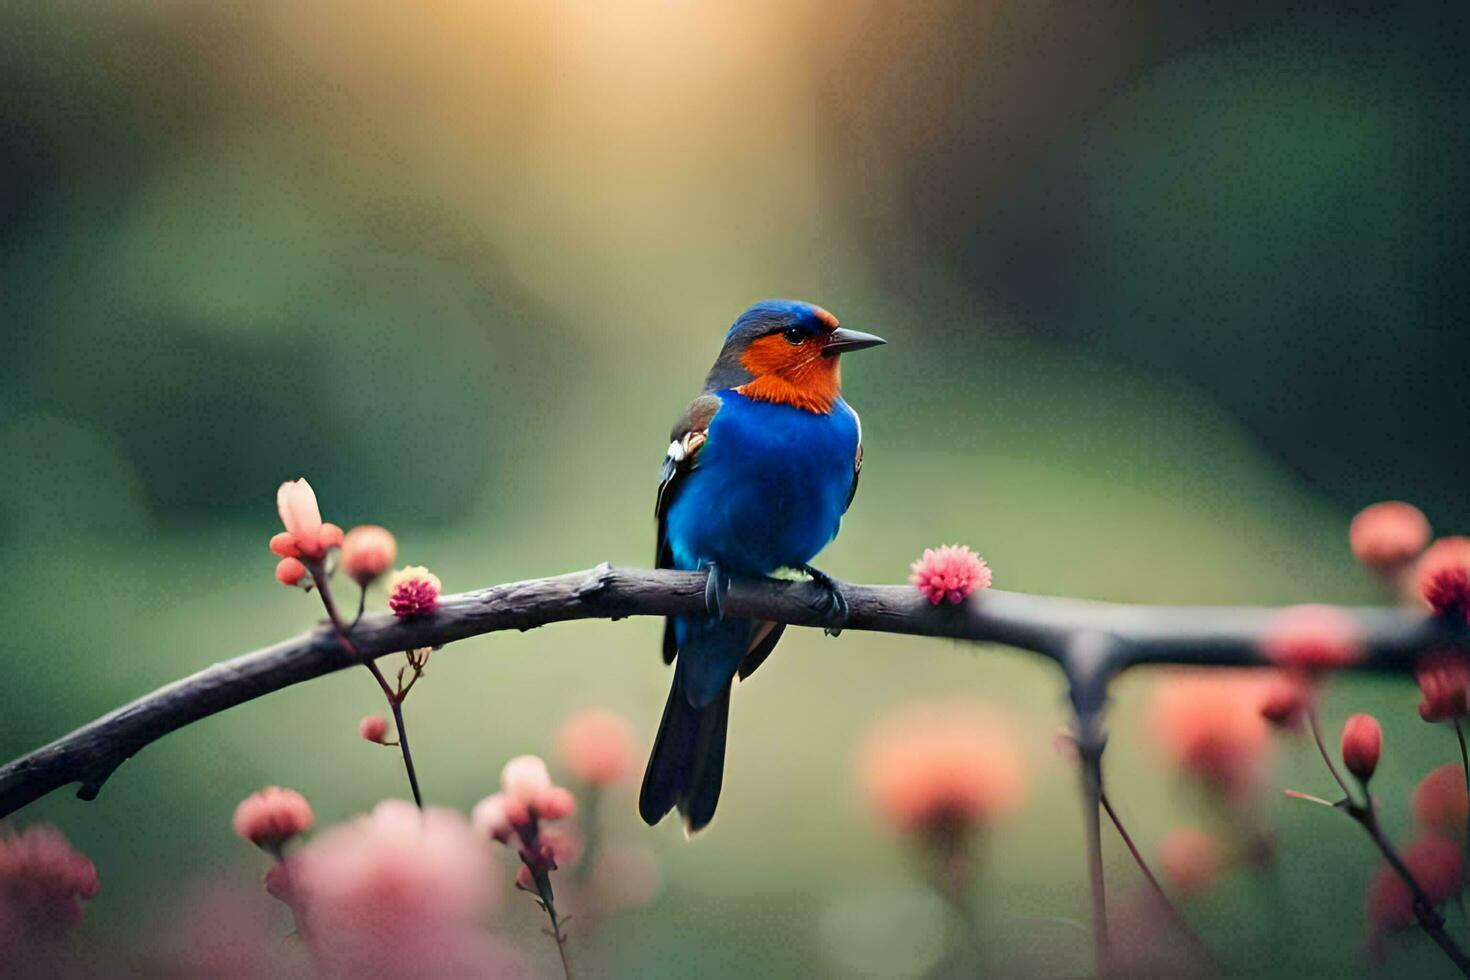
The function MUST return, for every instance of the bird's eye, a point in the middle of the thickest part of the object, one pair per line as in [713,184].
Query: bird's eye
[794,335]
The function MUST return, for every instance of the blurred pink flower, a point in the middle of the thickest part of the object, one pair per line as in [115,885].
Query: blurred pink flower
[555,803]
[1190,859]
[525,778]
[597,746]
[1312,638]
[930,766]
[273,816]
[1209,722]
[398,892]
[1444,682]
[949,572]
[414,591]
[1440,801]
[368,551]
[1286,701]
[43,882]
[373,728]
[1443,576]
[310,536]
[1389,534]
[1362,741]
[491,817]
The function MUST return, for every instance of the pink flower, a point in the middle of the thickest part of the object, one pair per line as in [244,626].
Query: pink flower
[491,817]
[1312,638]
[373,728]
[1190,859]
[399,892]
[555,803]
[1362,741]
[597,746]
[290,572]
[1209,722]
[273,816]
[949,572]
[368,551]
[43,880]
[414,591]
[525,778]
[1444,681]
[309,536]
[931,767]
[1389,534]
[1443,576]
[1440,801]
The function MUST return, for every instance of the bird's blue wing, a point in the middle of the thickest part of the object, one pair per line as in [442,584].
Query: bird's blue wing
[687,438]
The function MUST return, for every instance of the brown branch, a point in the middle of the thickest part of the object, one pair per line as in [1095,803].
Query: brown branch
[1046,625]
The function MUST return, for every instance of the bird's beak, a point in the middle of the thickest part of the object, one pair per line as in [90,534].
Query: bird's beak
[842,340]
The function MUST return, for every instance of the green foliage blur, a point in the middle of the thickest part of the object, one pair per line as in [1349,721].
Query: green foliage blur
[1170,291]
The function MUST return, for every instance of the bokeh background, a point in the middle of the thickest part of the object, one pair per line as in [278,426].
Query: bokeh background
[1171,289]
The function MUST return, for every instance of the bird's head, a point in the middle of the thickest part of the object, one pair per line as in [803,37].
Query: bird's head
[789,352]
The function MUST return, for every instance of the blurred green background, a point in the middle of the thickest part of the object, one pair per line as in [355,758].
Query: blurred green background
[1171,289]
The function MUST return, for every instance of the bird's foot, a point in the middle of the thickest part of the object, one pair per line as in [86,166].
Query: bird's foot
[834,603]
[716,588]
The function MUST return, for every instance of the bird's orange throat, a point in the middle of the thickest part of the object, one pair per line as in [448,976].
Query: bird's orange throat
[791,375]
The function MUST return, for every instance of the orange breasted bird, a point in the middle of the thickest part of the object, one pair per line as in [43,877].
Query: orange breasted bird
[762,466]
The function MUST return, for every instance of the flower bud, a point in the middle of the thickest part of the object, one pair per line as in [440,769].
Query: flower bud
[1362,740]
[290,571]
[368,552]
[373,728]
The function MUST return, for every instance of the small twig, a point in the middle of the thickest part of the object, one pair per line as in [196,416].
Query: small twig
[1315,724]
[1170,908]
[395,701]
[1464,770]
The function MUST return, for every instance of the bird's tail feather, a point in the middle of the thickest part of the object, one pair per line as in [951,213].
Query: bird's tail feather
[687,766]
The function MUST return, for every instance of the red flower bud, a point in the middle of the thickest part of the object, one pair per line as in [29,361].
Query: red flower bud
[1362,740]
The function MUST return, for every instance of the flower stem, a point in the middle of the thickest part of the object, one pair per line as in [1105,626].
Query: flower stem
[1429,918]
[1465,766]
[1169,908]
[1092,821]
[543,891]
[1316,725]
[395,700]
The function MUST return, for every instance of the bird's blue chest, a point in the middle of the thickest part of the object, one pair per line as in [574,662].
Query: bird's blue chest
[769,489]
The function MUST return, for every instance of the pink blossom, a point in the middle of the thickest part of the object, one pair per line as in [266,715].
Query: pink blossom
[555,803]
[1435,863]
[414,591]
[1444,682]
[306,535]
[950,572]
[44,881]
[398,892]
[1387,535]
[490,817]
[525,778]
[597,746]
[273,816]
[1312,638]
[1443,576]
[934,766]
[1440,801]
[373,728]
[368,551]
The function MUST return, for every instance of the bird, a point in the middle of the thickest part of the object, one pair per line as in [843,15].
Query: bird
[760,469]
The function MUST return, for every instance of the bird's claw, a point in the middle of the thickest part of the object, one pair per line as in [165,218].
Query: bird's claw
[834,603]
[716,588]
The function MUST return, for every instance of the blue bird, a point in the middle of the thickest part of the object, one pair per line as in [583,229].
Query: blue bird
[762,466]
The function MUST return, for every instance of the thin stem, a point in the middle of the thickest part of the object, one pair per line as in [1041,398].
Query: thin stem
[361,605]
[395,702]
[1429,919]
[1465,767]
[1092,822]
[1163,896]
[1315,724]
[543,891]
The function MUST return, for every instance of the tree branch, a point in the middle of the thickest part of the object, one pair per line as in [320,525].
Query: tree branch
[1045,625]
